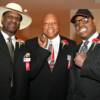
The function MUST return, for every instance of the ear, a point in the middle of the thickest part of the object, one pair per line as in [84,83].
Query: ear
[94,20]
[2,20]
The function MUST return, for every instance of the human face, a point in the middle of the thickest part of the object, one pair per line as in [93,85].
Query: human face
[50,26]
[85,27]
[11,22]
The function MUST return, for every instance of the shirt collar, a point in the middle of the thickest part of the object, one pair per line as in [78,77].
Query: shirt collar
[95,35]
[56,40]
[6,36]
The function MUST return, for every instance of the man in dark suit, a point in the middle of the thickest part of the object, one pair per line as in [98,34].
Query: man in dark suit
[87,58]
[11,19]
[48,77]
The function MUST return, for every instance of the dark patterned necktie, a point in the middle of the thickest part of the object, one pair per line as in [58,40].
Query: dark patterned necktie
[51,57]
[10,48]
[84,48]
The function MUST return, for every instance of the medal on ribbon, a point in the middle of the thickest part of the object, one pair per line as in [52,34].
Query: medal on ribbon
[27,60]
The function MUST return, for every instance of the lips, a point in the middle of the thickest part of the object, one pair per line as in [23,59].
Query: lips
[83,29]
[50,30]
[13,25]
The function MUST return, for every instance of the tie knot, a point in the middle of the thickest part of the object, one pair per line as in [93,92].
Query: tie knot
[50,46]
[86,42]
[9,39]
[84,47]
[50,42]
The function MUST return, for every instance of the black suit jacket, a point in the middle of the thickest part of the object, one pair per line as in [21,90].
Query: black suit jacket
[6,66]
[88,78]
[40,83]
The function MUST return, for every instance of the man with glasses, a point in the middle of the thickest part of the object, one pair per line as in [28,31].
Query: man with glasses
[87,61]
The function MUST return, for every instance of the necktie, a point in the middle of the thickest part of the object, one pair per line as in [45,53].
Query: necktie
[10,48]
[84,48]
[51,57]
[11,51]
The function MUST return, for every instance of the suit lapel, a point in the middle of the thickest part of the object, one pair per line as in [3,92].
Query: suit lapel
[59,53]
[92,46]
[17,48]
[3,46]
[62,49]
[98,36]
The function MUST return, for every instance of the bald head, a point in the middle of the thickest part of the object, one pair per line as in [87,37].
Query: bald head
[50,26]
[50,16]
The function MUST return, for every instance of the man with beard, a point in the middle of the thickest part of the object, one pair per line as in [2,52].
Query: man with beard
[87,59]
[12,19]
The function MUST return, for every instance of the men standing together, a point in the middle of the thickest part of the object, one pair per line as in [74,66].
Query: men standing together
[47,67]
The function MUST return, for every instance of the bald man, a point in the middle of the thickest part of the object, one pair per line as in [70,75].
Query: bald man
[48,78]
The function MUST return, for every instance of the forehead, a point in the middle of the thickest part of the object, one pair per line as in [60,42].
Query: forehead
[50,17]
[13,13]
[79,17]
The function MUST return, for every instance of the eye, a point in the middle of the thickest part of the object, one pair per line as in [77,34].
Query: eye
[82,20]
[12,17]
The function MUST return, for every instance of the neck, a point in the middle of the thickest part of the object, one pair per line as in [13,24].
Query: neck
[9,33]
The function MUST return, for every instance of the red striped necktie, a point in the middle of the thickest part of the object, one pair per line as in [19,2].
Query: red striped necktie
[51,58]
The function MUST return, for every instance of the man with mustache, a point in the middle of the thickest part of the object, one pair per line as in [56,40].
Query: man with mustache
[87,59]
[12,19]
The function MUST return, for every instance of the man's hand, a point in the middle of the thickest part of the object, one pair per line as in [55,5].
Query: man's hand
[43,40]
[79,59]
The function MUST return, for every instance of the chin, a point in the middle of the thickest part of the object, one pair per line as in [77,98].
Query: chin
[12,31]
[84,37]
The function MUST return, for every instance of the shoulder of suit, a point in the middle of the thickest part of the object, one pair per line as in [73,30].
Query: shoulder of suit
[69,40]
[33,40]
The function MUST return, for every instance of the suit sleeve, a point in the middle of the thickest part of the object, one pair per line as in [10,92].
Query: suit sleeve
[39,57]
[72,74]
[91,67]
[22,76]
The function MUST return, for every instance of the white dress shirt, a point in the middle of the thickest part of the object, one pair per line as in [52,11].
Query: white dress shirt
[95,35]
[6,36]
[56,44]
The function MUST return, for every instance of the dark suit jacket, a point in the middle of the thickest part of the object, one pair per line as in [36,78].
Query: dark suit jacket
[6,67]
[42,83]
[88,78]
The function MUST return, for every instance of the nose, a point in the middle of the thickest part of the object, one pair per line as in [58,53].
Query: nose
[50,24]
[14,19]
[81,23]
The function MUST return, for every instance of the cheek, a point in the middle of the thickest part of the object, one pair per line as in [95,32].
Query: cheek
[76,29]
[91,29]
[45,31]
[4,22]
[18,24]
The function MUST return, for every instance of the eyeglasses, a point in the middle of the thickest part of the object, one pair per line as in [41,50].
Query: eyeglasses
[83,21]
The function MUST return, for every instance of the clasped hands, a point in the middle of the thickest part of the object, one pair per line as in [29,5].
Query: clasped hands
[42,40]
[80,58]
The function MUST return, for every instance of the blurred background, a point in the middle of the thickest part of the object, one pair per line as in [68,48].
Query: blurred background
[64,9]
